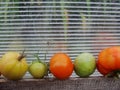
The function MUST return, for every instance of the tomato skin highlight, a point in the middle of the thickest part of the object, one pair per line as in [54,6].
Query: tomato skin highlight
[109,60]
[61,66]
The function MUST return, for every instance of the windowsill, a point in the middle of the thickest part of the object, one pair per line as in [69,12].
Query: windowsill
[73,83]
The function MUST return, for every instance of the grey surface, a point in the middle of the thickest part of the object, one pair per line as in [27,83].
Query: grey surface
[93,83]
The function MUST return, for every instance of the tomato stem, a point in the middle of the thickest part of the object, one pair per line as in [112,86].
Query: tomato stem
[22,55]
[36,55]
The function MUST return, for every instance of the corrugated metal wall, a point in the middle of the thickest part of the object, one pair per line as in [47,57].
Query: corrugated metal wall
[71,26]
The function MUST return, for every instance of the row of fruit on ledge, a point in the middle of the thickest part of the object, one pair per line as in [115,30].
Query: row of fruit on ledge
[13,65]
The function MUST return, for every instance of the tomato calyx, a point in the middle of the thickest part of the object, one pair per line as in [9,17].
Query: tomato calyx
[114,74]
[38,59]
[22,55]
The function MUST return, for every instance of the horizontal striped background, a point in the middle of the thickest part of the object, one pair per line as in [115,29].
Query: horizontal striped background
[72,27]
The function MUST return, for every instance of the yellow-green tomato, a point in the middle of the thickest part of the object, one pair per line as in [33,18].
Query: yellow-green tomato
[13,65]
[38,70]
[0,65]
[84,64]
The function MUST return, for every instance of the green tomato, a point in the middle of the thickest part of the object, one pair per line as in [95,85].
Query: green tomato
[38,69]
[84,64]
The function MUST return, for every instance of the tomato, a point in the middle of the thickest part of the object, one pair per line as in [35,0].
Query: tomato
[84,64]
[13,65]
[109,60]
[37,68]
[0,65]
[61,66]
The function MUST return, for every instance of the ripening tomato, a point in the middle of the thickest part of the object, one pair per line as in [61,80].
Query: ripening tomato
[84,64]
[61,66]
[13,65]
[0,65]
[109,60]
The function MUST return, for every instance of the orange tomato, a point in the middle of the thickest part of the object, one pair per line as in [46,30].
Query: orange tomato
[61,66]
[109,60]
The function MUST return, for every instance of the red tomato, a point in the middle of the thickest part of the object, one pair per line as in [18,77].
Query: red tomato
[61,66]
[109,60]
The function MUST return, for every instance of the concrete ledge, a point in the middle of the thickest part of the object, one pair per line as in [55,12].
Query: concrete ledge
[91,83]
